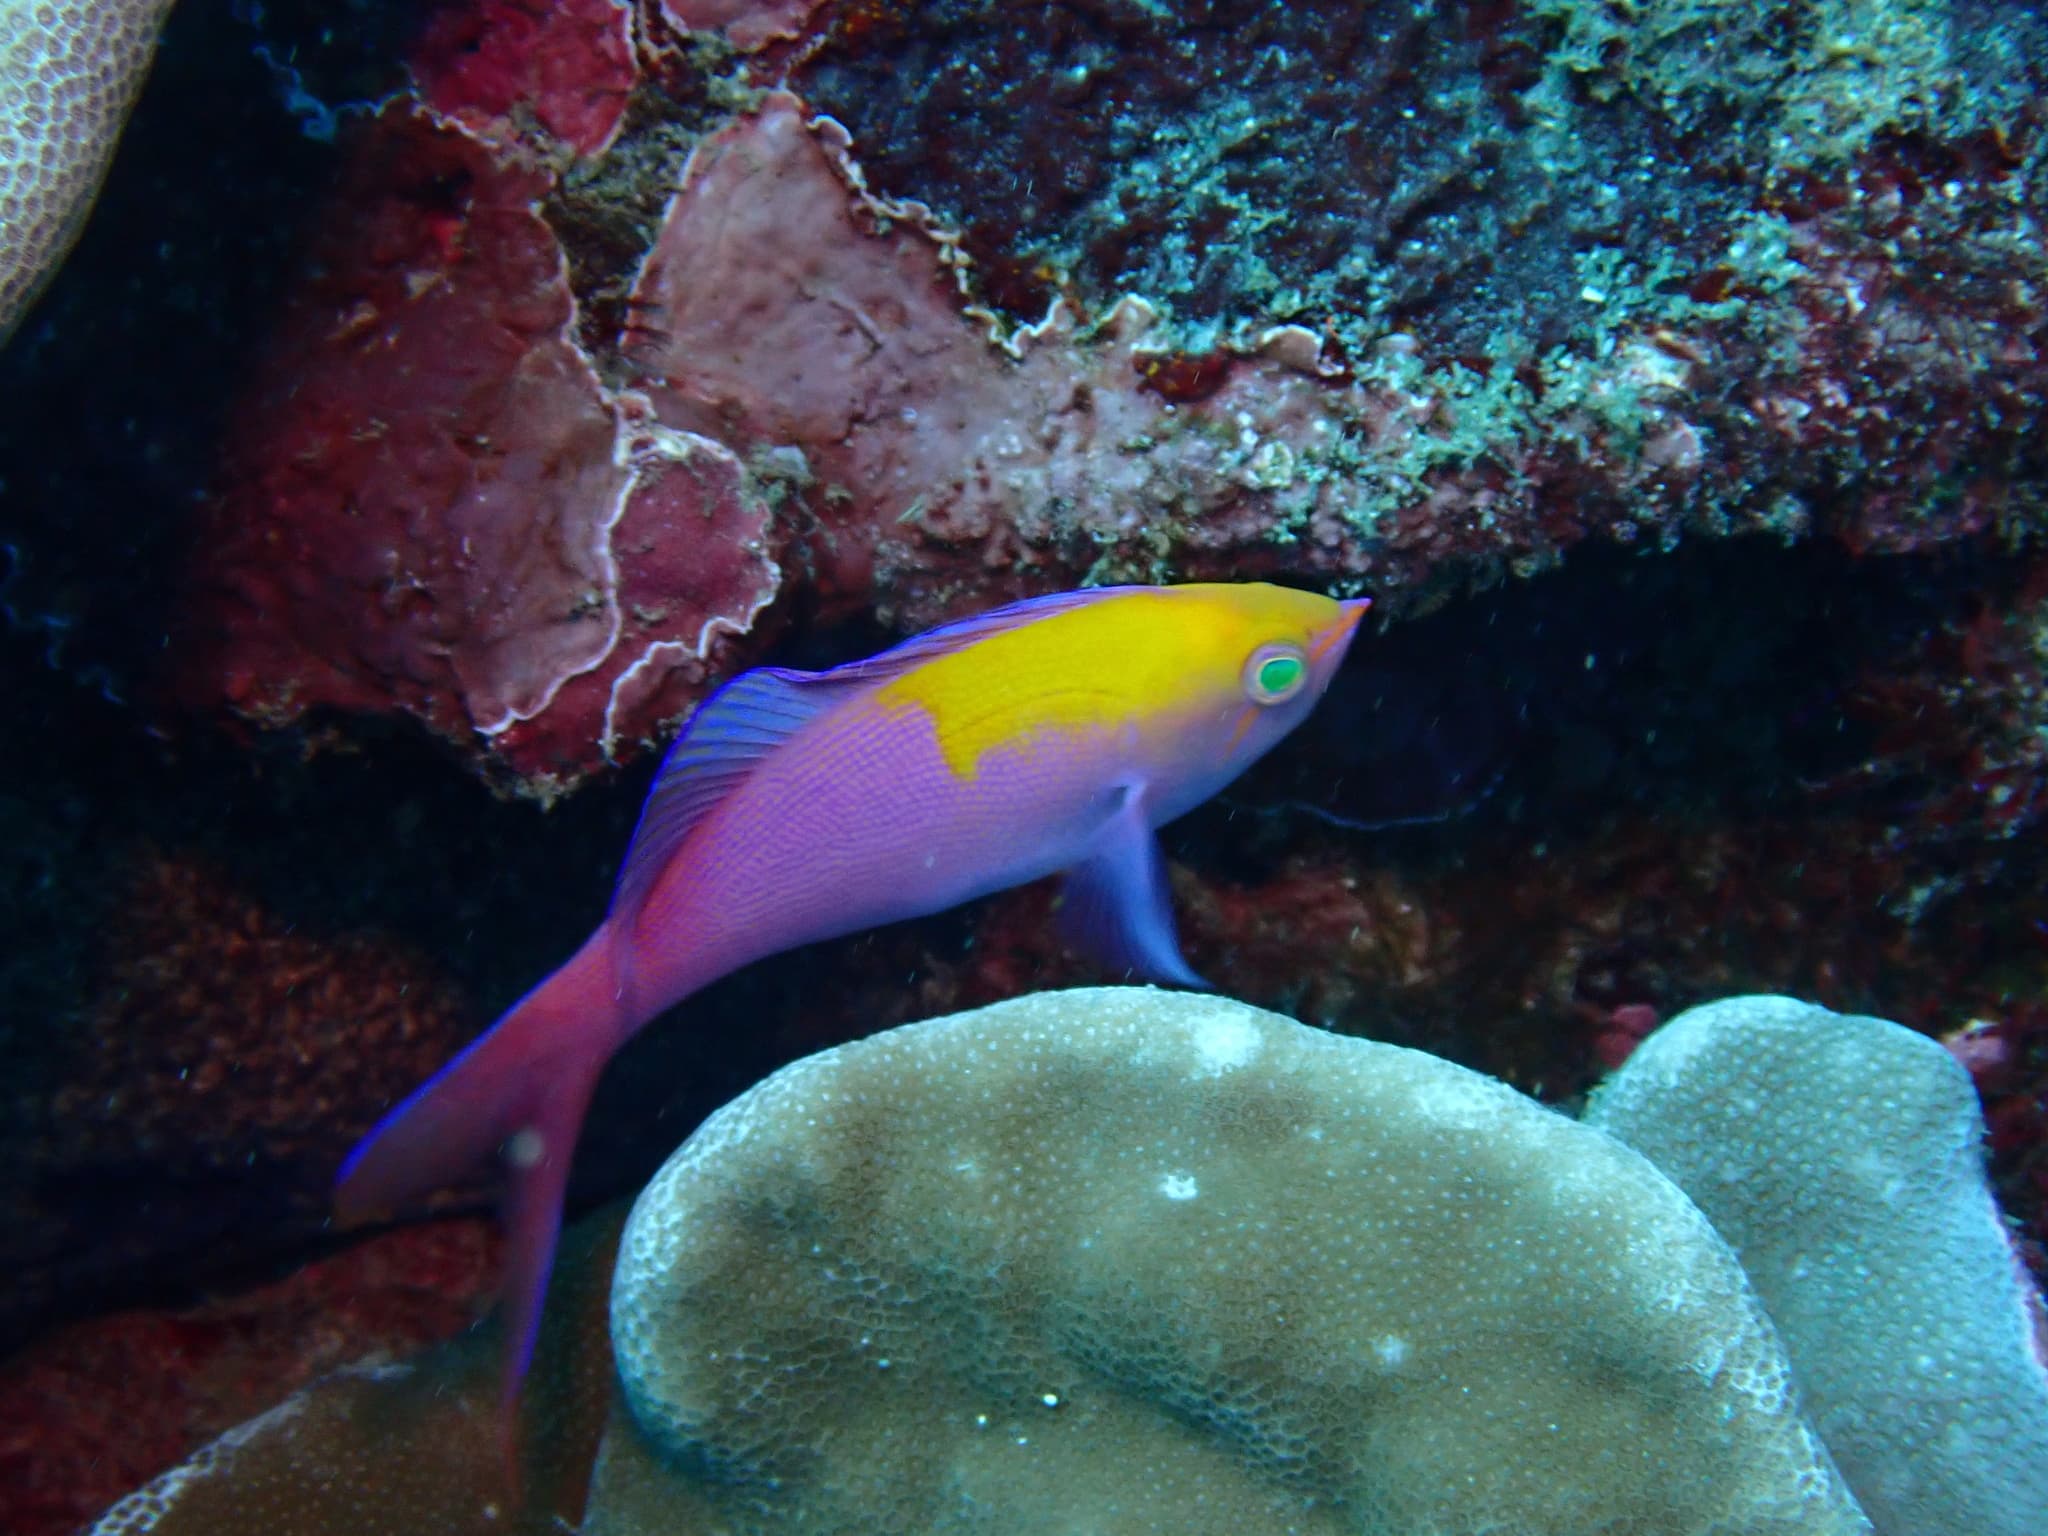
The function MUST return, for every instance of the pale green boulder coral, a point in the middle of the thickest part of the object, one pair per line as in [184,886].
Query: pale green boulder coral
[1118,1261]
[1842,1158]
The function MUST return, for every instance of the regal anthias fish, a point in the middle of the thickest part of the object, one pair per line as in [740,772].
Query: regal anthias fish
[1054,734]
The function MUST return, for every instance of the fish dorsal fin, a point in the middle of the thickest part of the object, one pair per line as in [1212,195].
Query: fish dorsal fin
[748,719]
[724,741]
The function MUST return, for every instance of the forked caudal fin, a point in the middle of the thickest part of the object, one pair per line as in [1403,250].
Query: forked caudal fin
[523,1086]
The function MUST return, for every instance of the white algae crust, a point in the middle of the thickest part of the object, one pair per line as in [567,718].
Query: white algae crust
[1117,1260]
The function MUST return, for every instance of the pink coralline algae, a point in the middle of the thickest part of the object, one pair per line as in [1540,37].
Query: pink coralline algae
[746,24]
[579,403]
[452,515]
[563,68]
[784,304]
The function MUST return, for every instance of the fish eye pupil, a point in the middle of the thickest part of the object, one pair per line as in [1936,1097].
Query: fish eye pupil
[1278,673]
[1275,677]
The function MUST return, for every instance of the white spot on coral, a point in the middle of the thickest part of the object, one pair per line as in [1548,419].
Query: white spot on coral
[1391,1350]
[1179,1186]
[1223,1041]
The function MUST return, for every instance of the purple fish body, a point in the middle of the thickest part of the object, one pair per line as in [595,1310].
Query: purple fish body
[871,827]
[1051,736]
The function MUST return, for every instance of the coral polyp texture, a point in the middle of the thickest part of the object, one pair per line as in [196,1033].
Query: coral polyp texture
[103,1406]
[412,1447]
[1843,1159]
[69,72]
[1188,1267]
[617,355]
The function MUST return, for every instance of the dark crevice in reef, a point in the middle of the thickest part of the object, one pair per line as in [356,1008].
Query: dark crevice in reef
[1619,679]
[120,380]
[607,211]
[386,843]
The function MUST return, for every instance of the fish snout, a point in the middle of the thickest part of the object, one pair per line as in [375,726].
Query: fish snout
[1328,648]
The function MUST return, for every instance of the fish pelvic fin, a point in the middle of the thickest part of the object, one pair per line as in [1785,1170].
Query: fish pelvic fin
[1116,905]
[522,1087]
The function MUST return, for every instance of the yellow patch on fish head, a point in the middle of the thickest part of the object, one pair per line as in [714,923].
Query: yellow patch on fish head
[1134,661]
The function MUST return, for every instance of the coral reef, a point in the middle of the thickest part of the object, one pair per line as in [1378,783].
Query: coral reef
[2006,1053]
[72,69]
[199,1096]
[576,541]
[557,75]
[1429,299]
[1191,1267]
[119,382]
[1842,1159]
[1602,873]
[1495,317]
[1554,854]
[203,986]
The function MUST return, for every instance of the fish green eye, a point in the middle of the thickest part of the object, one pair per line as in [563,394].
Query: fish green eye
[1276,673]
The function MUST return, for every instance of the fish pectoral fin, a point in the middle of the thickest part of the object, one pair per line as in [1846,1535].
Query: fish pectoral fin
[1116,907]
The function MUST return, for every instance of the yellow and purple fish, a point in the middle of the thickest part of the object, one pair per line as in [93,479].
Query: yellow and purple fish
[1054,734]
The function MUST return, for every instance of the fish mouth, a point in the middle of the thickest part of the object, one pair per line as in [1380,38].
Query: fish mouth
[1339,634]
